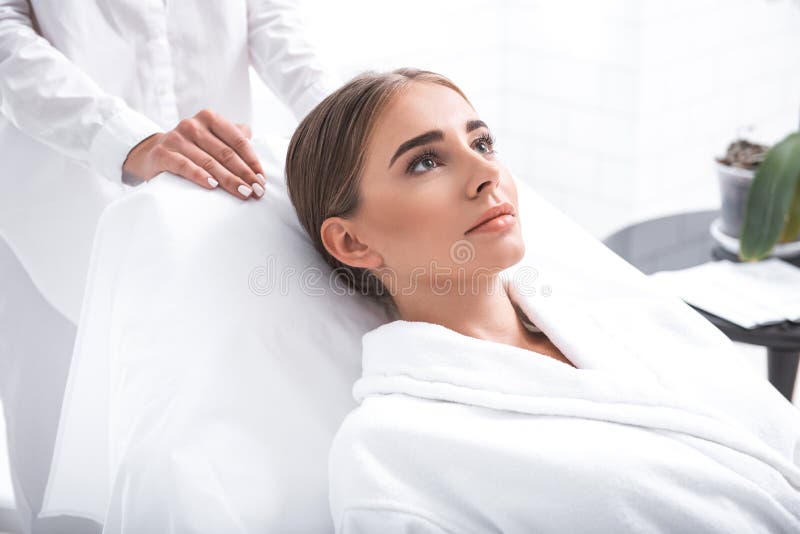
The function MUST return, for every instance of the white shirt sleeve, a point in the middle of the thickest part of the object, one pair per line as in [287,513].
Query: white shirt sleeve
[52,100]
[283,59]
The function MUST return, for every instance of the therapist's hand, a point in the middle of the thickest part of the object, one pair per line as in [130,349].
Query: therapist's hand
[208,150]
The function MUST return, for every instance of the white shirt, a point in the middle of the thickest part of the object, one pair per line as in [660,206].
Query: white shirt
[82,82]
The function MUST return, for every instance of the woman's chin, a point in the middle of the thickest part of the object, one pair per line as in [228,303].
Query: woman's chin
[501,242]
[500,253]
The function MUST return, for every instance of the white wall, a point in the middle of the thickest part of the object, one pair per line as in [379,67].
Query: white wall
[734,67]
[613,109]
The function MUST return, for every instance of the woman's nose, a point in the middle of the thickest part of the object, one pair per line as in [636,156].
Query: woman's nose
[490,183]
[484,173]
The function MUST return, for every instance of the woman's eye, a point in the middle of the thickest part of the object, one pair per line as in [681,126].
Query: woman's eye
[485,144]
[424,164]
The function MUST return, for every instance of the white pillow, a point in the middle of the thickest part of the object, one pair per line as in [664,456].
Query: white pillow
[213,364]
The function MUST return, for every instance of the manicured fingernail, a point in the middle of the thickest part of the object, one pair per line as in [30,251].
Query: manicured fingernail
[212,182]
[258,189]
[244,190]
[261,177]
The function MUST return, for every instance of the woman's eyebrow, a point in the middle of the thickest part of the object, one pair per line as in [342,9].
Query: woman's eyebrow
[427,137]
[474,125]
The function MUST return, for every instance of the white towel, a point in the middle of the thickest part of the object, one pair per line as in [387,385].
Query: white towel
[662,428]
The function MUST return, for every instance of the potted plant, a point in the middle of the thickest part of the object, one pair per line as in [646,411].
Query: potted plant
[760,188]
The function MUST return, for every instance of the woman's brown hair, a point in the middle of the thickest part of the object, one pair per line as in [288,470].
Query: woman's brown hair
[325,160]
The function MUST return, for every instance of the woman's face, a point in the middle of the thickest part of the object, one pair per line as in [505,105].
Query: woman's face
[430,172]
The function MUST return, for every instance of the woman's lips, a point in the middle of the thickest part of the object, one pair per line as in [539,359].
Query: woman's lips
[494,211]
[495,224]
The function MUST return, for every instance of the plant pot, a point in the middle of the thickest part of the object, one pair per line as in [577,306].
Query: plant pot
[734,186]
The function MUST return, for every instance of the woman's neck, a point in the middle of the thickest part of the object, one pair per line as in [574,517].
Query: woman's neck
[484,313]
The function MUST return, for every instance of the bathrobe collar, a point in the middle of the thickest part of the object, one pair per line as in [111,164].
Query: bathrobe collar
[432,361]
[432,352]
[428,352]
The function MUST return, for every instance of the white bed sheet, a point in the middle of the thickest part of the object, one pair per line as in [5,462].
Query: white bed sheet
[201,399]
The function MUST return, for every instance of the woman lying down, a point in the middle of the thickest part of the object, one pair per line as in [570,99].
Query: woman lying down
[471,418]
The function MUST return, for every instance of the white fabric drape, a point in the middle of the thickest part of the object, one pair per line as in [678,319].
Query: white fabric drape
[81,83]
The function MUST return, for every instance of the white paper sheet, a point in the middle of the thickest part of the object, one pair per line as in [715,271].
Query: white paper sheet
[750,294]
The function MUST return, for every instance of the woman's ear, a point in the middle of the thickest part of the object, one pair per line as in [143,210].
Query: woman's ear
[342,243]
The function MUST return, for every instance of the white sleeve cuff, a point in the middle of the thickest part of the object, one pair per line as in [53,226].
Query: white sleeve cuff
[121,132]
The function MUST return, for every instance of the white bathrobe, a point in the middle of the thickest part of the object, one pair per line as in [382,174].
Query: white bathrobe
[462,435]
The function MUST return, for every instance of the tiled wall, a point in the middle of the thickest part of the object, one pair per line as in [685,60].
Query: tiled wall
[731,67]
[613,109]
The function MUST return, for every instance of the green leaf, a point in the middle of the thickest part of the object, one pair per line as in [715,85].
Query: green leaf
[791,230]
[770,198]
